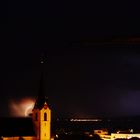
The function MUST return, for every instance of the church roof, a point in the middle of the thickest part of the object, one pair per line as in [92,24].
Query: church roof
[40,102]
[10,127]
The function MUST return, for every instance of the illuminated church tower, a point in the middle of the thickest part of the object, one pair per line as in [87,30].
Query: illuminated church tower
[42,115]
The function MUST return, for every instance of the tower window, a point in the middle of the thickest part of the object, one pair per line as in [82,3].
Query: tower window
[36,116]
[45,116]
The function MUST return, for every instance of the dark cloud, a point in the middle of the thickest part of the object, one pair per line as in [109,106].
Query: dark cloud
[129,102]
[80,81]
[90,60]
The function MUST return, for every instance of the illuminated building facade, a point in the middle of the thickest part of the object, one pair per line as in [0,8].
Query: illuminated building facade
[42,119]
[105,136]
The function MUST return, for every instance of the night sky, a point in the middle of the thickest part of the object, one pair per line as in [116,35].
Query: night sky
[92,64]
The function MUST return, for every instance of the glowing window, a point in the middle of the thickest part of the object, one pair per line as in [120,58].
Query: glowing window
[45,116]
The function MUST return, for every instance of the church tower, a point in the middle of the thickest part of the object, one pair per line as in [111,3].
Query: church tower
[42,114]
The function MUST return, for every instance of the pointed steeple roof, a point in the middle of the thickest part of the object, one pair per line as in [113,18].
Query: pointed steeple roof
[41,99]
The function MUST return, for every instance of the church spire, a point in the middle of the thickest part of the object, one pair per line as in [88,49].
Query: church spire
[42,81]
[41,99]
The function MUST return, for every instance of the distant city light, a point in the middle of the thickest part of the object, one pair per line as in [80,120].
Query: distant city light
[85,120]
[42,62]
